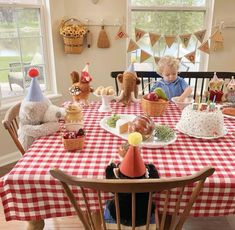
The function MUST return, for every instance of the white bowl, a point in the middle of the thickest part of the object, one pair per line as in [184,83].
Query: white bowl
[73,126]
[183,104]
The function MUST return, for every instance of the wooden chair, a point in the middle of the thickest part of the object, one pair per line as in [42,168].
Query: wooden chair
[198,80]
[10,123]
[134,186]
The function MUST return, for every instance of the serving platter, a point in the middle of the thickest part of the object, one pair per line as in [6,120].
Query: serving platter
[152,142]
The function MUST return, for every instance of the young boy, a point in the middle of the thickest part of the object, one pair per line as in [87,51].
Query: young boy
[172,84]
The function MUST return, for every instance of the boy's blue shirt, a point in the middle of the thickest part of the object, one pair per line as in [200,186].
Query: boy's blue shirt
[171,89]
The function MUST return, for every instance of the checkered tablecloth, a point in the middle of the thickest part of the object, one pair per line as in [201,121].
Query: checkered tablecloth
[28,192]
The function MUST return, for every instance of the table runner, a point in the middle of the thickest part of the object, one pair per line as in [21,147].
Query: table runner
[28,192]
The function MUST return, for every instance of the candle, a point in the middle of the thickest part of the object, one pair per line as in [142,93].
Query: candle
[214,98]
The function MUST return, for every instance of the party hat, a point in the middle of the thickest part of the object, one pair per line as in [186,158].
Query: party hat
[131,68]
[34,92]
[133,165]
[85,76]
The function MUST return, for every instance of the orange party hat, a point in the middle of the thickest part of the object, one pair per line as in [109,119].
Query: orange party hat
[133,165]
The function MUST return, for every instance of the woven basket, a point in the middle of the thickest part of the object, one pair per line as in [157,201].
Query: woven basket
[73,32]
[74,144]
[154,108]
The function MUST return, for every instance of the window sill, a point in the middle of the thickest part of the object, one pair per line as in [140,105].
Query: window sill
[4,107]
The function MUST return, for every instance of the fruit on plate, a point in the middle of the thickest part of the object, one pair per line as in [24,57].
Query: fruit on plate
[164,132]
[142,124]
[160,92]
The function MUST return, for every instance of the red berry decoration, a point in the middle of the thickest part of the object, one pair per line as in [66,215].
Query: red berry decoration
[33,72]
[80,133]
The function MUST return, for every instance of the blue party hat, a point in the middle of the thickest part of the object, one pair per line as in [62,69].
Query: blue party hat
[131,68]
[34,92]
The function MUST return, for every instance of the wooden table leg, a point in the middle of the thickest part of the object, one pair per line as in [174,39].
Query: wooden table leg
[35,225]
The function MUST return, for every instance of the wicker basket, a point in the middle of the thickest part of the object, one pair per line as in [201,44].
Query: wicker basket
[73,32]
[74,144]
[154,108]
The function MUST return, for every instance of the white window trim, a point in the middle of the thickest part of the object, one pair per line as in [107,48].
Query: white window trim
[51,86]
[209,9]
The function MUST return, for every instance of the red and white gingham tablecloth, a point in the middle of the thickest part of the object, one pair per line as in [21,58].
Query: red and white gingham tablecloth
[28,192]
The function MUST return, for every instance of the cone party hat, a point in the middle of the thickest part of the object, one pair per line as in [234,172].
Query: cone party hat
[133,165]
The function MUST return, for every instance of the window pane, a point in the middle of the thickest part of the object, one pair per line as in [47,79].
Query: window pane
[168,2]
[20,47]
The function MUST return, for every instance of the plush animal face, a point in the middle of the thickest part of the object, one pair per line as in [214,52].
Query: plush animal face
[231,86]
[33,112]
[216,85]
[128,81]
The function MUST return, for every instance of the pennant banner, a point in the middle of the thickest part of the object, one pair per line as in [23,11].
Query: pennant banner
[191,56]
[139,34]
[217,36]
[169,40]
[144,56]
[185,38]
[204,47]
[132,46]
[156,59]
[200,35]
[154,38]
[121,33]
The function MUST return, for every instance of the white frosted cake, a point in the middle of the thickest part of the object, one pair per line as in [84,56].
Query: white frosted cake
[201,123]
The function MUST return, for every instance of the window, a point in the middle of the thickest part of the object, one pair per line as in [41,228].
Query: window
[168,17]
[22,45]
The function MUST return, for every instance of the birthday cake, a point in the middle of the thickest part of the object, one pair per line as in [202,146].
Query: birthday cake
[206,123]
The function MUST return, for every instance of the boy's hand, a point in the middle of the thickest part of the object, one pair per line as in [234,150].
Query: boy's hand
[181,99]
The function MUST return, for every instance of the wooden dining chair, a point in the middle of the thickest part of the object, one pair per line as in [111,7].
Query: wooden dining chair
[134,186]
[11,124]
[198,80]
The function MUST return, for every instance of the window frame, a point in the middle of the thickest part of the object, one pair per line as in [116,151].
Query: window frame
[208,9]
[46,38]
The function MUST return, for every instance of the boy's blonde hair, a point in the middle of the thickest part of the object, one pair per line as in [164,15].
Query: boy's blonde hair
[168,61]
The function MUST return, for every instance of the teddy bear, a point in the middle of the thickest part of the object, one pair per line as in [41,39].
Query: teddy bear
[80,90]
[229,96]
[37,116]
[215,86]
[131,167]
[129,86]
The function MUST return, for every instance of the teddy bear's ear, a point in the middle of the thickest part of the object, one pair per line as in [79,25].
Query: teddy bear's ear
[137,81]
[120,77]
[74,76]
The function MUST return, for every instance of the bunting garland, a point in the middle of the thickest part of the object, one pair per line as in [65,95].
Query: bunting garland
[216,43]
[121,33]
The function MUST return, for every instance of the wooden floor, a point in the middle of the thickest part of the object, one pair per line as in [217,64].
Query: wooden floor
[69,223]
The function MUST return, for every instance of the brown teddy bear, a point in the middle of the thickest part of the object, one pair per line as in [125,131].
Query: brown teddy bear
[129,86]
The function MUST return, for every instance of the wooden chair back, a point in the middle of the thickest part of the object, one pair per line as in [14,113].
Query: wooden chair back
[198,80]
[11,124]
[134,186]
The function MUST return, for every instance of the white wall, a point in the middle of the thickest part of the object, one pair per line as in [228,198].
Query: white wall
[103,61]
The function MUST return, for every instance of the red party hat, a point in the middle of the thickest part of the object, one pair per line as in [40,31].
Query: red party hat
[133,165]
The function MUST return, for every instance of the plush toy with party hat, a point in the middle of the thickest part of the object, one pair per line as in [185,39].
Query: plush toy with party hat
[81,89]
[37,116]
[229,96]
[131,167]
[129,82]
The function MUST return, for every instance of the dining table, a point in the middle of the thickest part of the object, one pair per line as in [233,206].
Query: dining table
[29,193]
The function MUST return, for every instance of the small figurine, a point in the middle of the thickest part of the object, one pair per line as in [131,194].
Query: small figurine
[81,89]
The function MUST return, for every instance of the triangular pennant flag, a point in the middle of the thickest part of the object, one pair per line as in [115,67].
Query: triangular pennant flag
[132,46]
[204,47]
[191,56]
[185,38]
[200,35]
[154,38]
[157,59]
[217,45]
[139,34]
[144,56]
[217,36]
[121,33]
[169,40]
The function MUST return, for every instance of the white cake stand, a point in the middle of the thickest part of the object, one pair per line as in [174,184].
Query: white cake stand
[105,105]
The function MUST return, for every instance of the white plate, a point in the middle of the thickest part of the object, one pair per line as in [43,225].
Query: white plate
[229,116]
[202,137]
[150,143]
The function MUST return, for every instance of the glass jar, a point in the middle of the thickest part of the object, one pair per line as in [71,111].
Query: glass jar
[73,114]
